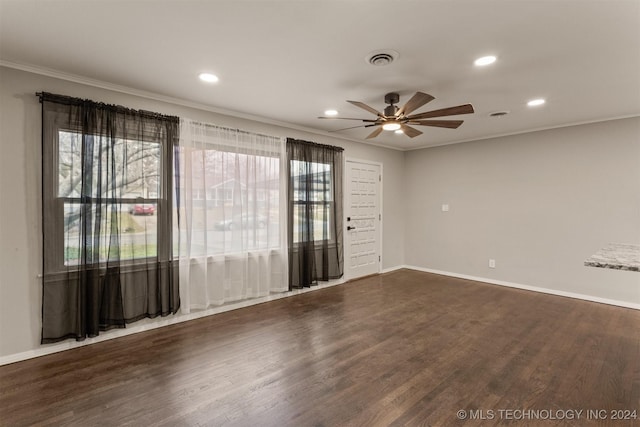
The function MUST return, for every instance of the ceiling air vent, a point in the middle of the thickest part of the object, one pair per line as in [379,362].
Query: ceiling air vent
[380,58]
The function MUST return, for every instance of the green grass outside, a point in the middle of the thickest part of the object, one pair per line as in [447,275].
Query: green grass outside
[129,225]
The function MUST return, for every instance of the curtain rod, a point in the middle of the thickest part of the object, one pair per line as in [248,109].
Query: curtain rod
[211,125]
[316,144]
[69,100]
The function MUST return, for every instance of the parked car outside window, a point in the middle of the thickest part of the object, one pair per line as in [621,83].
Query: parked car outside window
[143,209]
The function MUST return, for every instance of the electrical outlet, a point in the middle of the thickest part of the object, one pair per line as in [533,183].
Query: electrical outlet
[492,263]
[445,208]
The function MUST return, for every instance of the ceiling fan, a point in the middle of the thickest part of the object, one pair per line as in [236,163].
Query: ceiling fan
[395,118]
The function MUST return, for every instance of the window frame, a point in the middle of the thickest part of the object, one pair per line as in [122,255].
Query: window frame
[56,203]
[327,204]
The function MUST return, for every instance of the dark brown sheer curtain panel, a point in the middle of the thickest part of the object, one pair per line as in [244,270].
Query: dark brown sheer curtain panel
[107,217]
[314,197]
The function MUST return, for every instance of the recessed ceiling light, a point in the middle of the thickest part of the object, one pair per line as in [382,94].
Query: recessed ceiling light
[208,77]
[331,113]
[535,102]
[485,60]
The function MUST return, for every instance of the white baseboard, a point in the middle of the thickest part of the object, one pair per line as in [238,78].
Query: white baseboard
[390,269]
[591,298]
[150,324]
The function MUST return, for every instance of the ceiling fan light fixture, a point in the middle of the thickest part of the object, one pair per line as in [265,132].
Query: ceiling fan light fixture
[391,126]
[331,113]
[536,102]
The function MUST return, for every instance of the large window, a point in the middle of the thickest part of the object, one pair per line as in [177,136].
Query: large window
[312,201]
[231,199]
[132,196]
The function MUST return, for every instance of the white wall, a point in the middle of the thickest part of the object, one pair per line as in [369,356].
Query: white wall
[20,207]
[538,203]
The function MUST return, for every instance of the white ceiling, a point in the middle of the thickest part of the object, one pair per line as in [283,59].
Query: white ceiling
[288,61]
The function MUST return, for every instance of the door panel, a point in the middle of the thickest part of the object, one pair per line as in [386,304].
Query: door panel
[362,242]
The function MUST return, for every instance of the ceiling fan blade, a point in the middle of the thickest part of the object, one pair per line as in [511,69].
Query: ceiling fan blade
[352,127]
[365,107]
[347,118]
[450,124]
[375,133]
[451,111]
[416,101]
[410,132]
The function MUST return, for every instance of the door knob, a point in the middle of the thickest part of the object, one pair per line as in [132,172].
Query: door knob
[350,228]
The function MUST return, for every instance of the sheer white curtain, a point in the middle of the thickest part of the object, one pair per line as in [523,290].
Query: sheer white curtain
[232,207]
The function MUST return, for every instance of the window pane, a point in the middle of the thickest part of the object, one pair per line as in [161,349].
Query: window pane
[233,201]
[136,224]
[72,233]
[312,189]
[69,164]
[300,229]
[136,171]
[320,226]
[322,223]
[142,169]
[311,181]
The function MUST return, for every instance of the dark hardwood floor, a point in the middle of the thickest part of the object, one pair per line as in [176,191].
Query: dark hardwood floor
[403,348]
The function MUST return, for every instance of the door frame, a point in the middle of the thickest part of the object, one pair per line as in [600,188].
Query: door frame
[345,185]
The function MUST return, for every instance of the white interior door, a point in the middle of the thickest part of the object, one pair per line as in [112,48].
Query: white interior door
[362,219]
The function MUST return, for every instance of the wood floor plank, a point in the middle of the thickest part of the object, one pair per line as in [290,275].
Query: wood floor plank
[404,348]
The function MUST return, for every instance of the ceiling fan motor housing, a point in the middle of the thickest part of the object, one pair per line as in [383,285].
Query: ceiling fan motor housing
[390,110]
[392,98]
